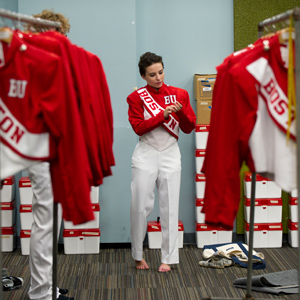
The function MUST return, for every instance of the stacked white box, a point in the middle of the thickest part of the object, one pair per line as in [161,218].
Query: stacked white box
[95,194]
[8,213]
[264,187]
[81,241]
[155,235]
[26,218]
[25,190]
[265,235]
[293,209]
[8,238]
[88,225]
[25,241]
[209,235]
[199,154]
[201,134]
[293,233]
[200,217]
[7,192]
[265,210]
[200,185]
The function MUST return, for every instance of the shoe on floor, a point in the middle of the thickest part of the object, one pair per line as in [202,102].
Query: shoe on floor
[216,263]
[11,283]
[63,291]
[61,297]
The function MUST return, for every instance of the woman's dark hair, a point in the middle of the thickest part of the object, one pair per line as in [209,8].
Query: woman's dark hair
[148,59]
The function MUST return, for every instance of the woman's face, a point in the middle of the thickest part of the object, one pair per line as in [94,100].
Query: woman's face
[154,75]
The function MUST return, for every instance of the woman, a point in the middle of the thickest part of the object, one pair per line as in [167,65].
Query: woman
[156,112]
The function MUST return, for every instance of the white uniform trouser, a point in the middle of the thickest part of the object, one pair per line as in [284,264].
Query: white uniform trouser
[40,255]
[151,167]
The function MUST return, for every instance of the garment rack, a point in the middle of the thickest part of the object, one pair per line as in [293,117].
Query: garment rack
[295,13]
[37,21]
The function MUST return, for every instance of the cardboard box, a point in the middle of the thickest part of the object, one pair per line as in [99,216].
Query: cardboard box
[200,217]
[293,233]
[204,85]
[155,235]
[25,190]
[8,238]
[81,241]
[293,209]
[94,224]
[203,112]
[264,188]
[209,235]
[25,241]
[8,213]
[265,210]
[265,235]
[200,185]
[7,192]
[201,136]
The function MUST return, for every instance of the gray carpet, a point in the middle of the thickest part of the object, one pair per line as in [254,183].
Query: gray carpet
[111,274]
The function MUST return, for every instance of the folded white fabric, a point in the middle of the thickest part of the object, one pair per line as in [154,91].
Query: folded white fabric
[229,250]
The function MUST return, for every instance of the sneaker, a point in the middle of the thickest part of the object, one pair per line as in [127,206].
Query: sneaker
[216,263]
[211,263]
[11,283]
[61,297]
[63,291]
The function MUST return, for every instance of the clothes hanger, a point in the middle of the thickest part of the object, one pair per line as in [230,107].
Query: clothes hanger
[6,35]
[284,34]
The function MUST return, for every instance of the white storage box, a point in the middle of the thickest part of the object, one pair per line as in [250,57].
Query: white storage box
[25,241]
[200,185]
[88,225]
[265,210]
[81,241]
[155,236]
[264,187]
[293,233]
[293,209]
[265,235]
[7,193]
[8,213]
[294,193]
[199,154]
[8,238]
[209,235]
[200,217]
[201,133]
[26,218]
[25,190]
[95,194]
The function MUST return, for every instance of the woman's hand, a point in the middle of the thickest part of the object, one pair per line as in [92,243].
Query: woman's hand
[172,108]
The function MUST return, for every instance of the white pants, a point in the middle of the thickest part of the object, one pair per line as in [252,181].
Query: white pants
[40,255]
[162,169]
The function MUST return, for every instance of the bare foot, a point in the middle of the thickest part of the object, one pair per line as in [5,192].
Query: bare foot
[164,268]
[141,264]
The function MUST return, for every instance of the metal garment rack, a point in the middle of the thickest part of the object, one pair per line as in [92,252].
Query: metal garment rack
[295,13]
[21,18]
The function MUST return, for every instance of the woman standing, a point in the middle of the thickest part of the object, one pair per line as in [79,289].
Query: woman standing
[156,112]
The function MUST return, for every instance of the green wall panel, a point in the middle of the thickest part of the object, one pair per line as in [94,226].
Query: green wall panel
[248,13]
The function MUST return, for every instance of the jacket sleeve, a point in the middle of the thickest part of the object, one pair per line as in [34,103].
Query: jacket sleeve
[187,117]
[136,117]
